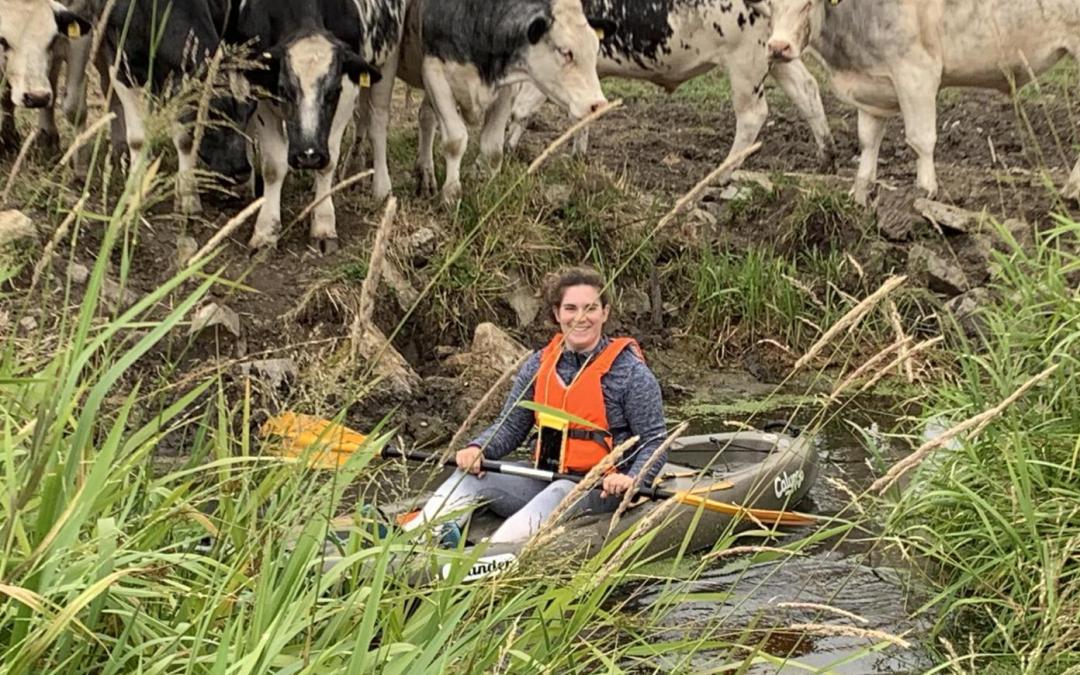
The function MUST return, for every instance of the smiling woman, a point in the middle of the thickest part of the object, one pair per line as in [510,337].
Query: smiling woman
[590,377]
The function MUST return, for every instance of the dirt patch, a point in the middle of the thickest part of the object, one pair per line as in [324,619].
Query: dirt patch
[989,156]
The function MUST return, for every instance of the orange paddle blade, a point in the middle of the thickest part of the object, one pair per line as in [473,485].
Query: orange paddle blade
[328,445]
[766,516]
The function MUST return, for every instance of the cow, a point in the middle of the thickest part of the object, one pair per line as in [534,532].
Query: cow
[467,54]
[33,36]
[318,57]
[892,56]
[150,47]
[672,41]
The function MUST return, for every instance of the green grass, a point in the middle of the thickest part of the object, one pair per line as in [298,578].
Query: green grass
[995,521]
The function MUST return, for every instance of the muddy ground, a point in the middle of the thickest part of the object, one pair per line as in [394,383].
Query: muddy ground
[987,158]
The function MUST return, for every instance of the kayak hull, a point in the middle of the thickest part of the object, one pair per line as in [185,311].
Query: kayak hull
[752,469]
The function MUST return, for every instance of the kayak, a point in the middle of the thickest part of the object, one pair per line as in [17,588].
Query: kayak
[752,469]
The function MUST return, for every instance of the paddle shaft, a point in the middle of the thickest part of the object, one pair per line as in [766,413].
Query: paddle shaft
[518,470]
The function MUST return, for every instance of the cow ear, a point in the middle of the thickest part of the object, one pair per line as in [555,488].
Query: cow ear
[362,73]
[71,24]
[603,27]
[538,27]
[266,76]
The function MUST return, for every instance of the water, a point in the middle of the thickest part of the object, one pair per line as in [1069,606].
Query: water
[839,583]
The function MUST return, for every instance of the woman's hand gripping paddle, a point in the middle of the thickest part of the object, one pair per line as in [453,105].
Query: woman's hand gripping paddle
[335,443]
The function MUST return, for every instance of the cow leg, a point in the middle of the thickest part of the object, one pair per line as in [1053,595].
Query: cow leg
[74,106]
[748,99]
[378,122]
[527,100]
[48,139]
[274,151]
[871,131]
[323,229]
[803,91]
[426,185]
[9,135]
[493,133]
[187,188]
[454,132]
[581,142]
[1071,189]
[134,127]
[916,90]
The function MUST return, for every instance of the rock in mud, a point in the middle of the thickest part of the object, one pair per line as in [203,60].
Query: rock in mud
[946,216]
[274,373]
[523,300]
[213,314]
[396,377]
[491,353]
[420,246]
[634,302]
[16,227]
[404,292]
[78,273]
[941,275]
[965,309]
[895,218]
[28,324]
[186,246]
[118,297]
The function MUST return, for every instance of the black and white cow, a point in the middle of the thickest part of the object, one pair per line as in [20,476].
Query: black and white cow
[319,56]
[892,56]
[150,46]
[33,36]
[668,42]
[466,54]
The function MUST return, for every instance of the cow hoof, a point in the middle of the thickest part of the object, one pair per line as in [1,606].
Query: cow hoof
[47,144]
[425,182]
[826,162]
[327,246]
[261,242]
[451,194]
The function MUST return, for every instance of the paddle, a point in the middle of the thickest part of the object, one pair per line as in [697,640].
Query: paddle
[335,443]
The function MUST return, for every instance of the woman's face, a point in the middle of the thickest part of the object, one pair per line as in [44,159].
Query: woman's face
[581,317]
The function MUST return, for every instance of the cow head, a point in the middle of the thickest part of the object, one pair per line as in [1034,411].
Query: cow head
[795,24]
[561,55]
[224,148]
[28,30]
[307,75]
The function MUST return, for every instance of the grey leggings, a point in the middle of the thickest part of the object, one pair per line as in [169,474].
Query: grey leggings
[523,502]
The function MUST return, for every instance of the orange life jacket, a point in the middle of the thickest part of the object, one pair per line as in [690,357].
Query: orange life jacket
[579,448]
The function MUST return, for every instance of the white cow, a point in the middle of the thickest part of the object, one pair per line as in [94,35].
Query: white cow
[670,43]
[467,53]
[33,37]
[892,56]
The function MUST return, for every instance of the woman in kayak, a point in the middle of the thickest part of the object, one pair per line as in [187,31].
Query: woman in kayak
[586,374]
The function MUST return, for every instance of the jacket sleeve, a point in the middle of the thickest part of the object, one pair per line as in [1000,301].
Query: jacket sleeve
[644,409]
[514,423]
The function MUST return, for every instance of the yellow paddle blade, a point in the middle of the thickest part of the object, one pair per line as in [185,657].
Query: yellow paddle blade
[766,516]
[327,445]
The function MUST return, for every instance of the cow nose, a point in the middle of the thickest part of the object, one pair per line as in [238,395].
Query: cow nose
[37,99]
[781,50]
[597,106]
[310,158]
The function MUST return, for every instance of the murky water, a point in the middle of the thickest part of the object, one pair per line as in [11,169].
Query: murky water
[840,583]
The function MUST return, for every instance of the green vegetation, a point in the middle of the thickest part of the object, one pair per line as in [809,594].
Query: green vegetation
[995,520]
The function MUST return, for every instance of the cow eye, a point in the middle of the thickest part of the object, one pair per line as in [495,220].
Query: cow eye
[4,44]
[568,55]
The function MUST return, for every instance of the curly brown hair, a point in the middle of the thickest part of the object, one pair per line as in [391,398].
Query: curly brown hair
[557,284]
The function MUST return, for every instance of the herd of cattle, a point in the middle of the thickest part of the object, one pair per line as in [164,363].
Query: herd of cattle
[313,66]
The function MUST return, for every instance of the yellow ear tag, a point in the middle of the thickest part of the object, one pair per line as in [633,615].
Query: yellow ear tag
[74,32]
[365,80]
[599,33]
